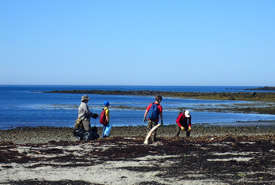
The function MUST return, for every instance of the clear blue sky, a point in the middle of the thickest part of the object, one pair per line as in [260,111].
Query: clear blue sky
[137,42]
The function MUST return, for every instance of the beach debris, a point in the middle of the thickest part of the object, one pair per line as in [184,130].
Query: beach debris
[150,133]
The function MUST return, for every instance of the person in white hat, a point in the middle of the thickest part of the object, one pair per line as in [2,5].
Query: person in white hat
[183,123]
[84,113]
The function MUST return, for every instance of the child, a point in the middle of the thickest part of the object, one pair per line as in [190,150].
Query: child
[153,120]
[107,126]
[183,123]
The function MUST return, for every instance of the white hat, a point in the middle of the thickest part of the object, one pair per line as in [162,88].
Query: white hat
[187,114]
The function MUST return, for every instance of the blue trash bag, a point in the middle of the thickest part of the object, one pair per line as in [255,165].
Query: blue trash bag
[107,131]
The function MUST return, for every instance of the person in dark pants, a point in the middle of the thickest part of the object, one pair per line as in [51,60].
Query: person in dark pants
[183,123]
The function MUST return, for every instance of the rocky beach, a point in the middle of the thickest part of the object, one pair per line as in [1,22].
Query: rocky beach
[212,155]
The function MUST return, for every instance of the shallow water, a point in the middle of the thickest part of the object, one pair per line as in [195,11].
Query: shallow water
[28,106]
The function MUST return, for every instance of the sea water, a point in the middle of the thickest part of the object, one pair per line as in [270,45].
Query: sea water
[29,106]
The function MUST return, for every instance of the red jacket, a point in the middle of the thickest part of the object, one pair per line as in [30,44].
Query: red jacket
[182,121]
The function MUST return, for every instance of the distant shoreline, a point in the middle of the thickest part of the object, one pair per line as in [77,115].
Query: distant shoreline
[265,96]
[265,88]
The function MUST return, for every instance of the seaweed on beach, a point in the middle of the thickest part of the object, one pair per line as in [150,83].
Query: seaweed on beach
[42,182]
[240,154]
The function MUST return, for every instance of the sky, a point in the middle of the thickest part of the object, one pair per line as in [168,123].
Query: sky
[137,42]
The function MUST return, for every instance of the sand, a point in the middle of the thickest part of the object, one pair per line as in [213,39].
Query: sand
[212,155]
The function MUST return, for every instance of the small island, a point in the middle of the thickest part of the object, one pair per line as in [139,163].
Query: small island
[268,96]
[265,88]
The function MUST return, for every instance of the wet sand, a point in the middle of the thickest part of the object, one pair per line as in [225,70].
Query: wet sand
[212,155]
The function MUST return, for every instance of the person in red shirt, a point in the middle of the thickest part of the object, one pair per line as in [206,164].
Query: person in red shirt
[183,123]
[153,122]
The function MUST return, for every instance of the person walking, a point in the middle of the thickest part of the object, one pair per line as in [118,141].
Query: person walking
[84,113]
[152,113]
[183,123]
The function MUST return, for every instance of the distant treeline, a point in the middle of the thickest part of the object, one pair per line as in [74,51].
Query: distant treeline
[265,88]
[269,96]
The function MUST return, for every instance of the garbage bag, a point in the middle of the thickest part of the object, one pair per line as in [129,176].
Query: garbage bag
[107,131]
[90,135]
[78,133]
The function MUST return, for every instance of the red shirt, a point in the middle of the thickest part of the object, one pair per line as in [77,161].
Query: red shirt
[183,121]
[159,108]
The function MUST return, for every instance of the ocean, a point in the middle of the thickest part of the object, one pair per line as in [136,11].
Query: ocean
[28,106]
